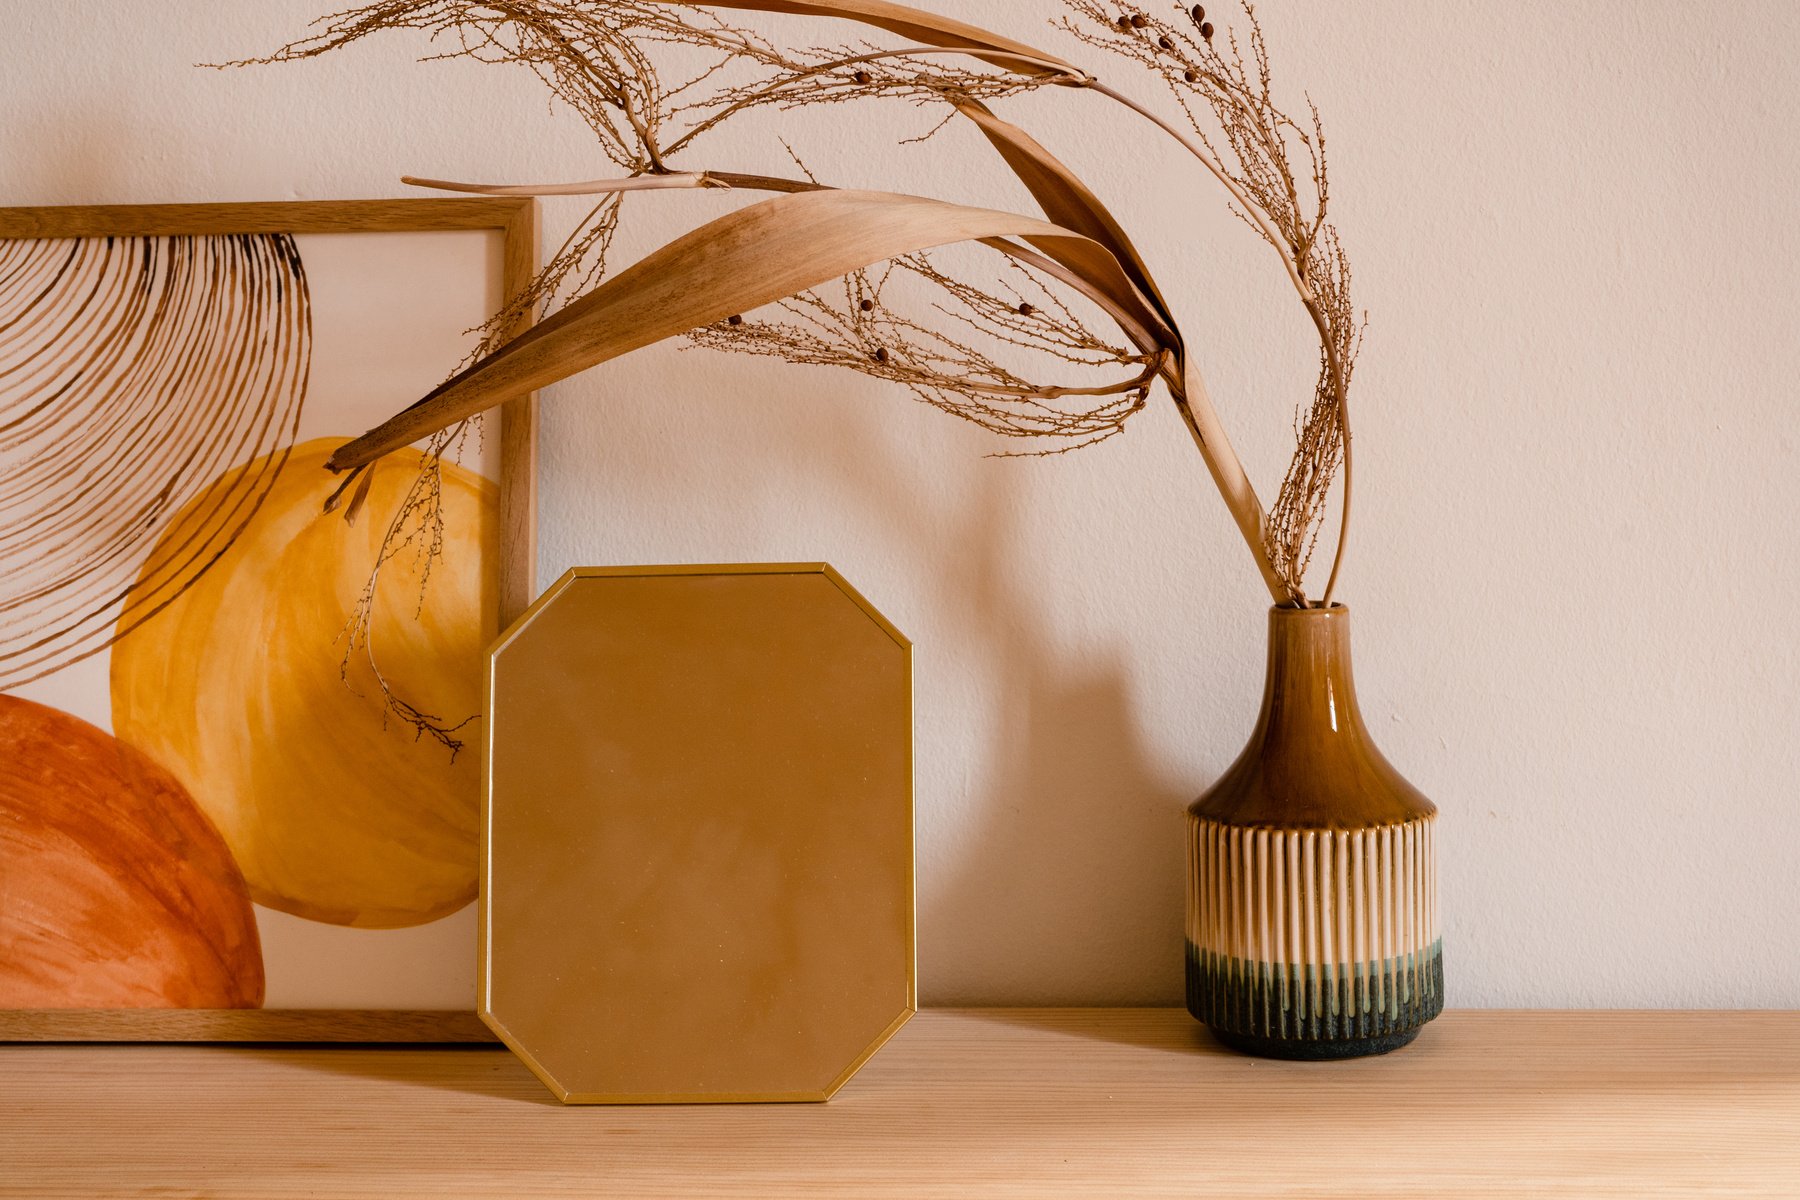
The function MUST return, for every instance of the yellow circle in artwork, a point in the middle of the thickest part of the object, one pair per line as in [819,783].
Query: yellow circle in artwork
[335,808]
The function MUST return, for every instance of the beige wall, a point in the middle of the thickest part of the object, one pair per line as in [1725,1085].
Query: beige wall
[1574,228]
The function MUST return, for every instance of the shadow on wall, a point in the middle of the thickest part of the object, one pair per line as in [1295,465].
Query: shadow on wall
[1051,862]
[1065,882]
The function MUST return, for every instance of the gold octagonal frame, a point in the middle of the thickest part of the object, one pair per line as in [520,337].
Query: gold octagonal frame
[697,854]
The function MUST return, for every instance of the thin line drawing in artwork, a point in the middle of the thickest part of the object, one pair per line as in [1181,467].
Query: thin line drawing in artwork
[135,372]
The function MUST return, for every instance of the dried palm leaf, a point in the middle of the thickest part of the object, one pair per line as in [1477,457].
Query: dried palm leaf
[1068,201]
[1065,199]
[741,261]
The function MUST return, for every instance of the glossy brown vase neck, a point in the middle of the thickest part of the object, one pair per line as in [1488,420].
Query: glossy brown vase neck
[1311,762]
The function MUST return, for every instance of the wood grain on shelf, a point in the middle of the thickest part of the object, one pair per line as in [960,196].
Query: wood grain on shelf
[1011,1103]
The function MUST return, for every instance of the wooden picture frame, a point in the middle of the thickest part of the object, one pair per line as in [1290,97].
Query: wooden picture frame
[514,219]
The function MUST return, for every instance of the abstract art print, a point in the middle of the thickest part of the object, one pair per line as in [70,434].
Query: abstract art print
[240,696]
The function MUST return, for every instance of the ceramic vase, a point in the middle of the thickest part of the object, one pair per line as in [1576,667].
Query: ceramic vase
[1312,925]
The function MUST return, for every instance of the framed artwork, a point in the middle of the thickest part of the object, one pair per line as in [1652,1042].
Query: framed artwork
[240,696]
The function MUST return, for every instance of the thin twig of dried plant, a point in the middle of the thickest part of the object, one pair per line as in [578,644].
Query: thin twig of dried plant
[416,528]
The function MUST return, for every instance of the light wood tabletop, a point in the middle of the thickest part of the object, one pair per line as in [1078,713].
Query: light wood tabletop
[1002,1102]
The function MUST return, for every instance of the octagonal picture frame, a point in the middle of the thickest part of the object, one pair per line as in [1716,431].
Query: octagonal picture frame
[615,706]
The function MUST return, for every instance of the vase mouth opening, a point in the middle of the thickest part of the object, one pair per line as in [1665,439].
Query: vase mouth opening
[1288,612]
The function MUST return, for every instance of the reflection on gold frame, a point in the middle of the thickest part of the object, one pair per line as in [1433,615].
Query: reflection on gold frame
[258,226]
[697,839]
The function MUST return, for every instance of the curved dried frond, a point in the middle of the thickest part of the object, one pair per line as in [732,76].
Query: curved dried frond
[1068,201]
[609,60]
[1274,166]
[597,57]
[741,261]
[134,373]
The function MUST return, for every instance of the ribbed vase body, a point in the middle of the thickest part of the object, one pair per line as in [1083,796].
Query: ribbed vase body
[1312,924]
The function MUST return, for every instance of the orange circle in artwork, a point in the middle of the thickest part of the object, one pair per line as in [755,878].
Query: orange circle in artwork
[117,891]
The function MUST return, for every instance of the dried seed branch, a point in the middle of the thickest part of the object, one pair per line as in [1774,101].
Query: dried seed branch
[847,74]
[593,57]
[578,264]
[858,326]
[1274,168]
[416,528]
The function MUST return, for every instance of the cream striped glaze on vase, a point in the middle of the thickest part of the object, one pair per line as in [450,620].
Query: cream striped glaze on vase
[1312,922]
[1315,935]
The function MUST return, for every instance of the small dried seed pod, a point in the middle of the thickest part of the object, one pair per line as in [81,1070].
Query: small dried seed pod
[1191,76]
[867,306]
[1165,43]
[881,355]
[1025,310]
[1206,30]
[734,319]
[1199,14]
[1124,21]
[863,77]
[1139,20]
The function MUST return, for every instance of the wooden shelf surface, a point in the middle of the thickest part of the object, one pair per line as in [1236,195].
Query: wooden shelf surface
[1005,1102]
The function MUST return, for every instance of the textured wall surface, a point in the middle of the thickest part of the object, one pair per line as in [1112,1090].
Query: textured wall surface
[1573,227]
